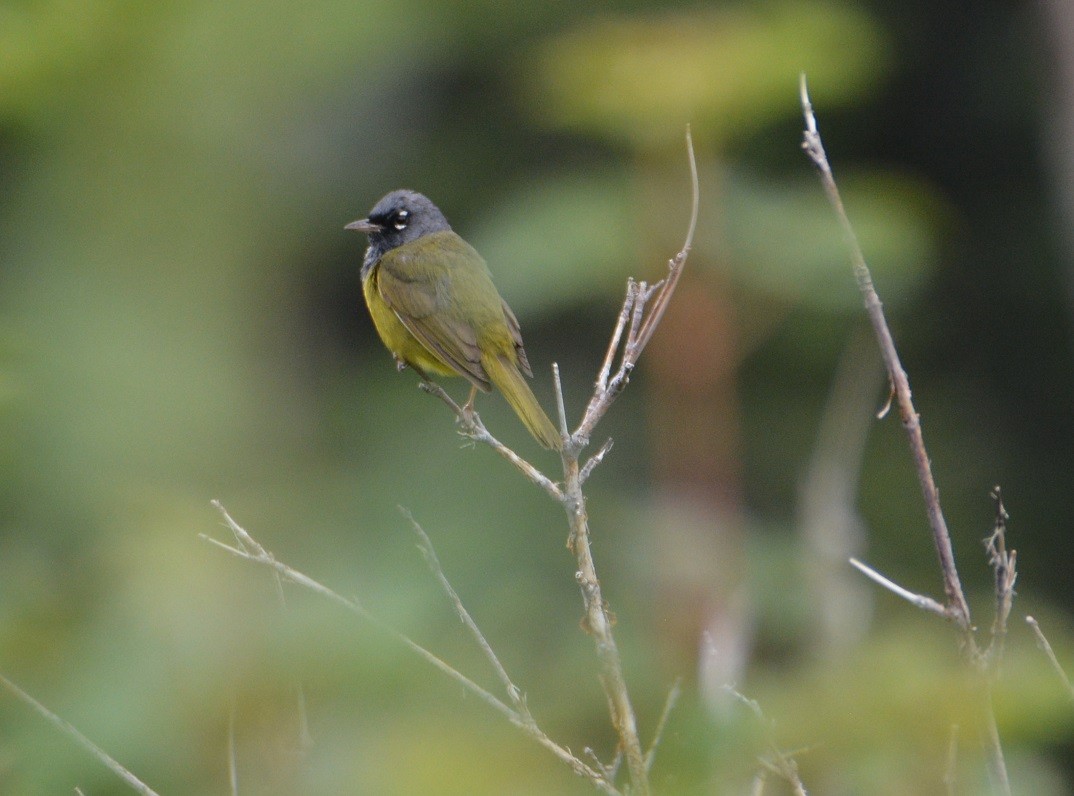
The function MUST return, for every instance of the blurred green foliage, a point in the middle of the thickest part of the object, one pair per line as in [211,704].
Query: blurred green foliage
[180,320]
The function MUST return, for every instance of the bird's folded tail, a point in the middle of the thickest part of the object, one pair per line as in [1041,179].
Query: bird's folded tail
[509,380]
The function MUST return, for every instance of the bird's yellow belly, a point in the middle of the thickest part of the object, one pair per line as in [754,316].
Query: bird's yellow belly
[398,339]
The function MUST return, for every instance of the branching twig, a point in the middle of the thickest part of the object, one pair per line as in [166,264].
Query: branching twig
[957,608]
[473,428]
[72,732]
[640,316]
[250,549]
[1003,563]
[644,319]
[640,319]
[780,763]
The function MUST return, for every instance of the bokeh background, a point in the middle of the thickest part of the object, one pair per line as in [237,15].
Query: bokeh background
[180,320]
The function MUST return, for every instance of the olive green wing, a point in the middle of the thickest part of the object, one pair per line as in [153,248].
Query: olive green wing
[416,280]
[516,339]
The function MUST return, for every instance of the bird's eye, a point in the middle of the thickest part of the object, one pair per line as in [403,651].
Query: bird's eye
[402,218]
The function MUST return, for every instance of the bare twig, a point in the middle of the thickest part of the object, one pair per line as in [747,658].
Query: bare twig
[250,549]
[72,732]
[780,763]
[617,335]
[920,600]
[429,553]
[1003,563]
[561,411]
[669,705]
[1042,642]
[957,608]
[594,460]
[473,428]
[639,317]
[644,319]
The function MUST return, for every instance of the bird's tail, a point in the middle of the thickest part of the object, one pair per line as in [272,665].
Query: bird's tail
[510,381]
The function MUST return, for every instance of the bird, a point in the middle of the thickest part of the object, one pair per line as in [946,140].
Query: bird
[436,309]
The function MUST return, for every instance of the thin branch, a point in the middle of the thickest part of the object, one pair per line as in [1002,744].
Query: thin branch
[781,763]
[594,460]
[72,732]
[920,600]
[250,549]
[957,608]
[1046,647]
[429,553]
[1005,573]
[669,705]
[639,317]
[561,412]
[617,335]
[644,319]
[473,428]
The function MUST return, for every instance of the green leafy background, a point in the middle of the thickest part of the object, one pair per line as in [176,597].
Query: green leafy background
[180,320]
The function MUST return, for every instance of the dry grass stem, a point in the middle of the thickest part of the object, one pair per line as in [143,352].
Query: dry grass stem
[425,545]
[1005,573]
[778,762]
[1046,647]
[72,732]
[249,549]
[658,733]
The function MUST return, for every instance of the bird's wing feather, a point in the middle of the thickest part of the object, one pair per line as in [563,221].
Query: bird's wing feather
[516,338]
[419,299]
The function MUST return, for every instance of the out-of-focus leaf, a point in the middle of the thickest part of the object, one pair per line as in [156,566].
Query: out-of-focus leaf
[784,239]
[560,240]
[641,78]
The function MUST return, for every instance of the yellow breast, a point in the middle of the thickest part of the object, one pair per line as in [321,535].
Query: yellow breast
[396,337]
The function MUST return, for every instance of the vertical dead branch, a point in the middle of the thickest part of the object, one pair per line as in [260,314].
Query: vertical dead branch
[955,607]
[958,609]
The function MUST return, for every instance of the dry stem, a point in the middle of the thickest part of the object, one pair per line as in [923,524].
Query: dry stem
[956,609]
[1046,647]
[641,313]
[249,549]
[72,732]
[639,317]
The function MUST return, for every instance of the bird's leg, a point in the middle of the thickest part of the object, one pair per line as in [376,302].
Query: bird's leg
[400,365]
[468,407]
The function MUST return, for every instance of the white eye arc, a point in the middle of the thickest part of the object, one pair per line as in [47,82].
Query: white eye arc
[401,220]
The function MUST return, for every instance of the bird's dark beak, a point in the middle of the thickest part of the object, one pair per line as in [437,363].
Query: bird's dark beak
[363,225]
